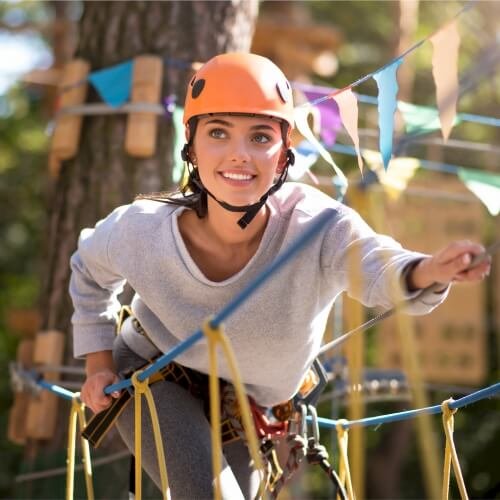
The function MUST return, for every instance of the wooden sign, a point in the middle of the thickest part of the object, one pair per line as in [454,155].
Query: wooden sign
[451,339]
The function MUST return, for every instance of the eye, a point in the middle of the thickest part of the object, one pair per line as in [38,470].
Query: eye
[217,133]
[261,138]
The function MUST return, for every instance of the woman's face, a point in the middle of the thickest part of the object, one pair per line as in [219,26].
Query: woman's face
[238,157]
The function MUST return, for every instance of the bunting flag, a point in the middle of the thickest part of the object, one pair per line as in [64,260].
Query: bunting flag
[113,84]
[330,121]
[305,158]
[300,115]
[387,92]
[179,139]
[485,185]
[348,107]
[421,119]
[445,72]
[396,178]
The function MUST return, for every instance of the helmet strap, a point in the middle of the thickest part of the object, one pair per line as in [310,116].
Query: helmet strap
[250,210]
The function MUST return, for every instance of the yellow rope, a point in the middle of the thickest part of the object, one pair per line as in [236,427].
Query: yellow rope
[70,460]
[87,464]
[216,336]
[450,453]
[344,470]
[77,415]
[141,388]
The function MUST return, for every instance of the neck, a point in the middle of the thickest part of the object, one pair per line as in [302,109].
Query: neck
[222,225]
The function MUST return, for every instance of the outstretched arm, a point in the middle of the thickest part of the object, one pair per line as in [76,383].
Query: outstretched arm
[450,264]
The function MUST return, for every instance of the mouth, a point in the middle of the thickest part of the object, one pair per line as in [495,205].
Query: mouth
[237,178]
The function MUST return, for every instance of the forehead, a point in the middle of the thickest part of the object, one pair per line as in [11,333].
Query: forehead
[236,120]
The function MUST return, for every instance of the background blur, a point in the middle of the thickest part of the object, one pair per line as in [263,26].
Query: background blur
[327,44]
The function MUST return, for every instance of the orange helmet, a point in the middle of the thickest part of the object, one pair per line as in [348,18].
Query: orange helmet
[240,83]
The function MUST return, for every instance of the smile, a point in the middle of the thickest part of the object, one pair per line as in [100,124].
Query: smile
[237,177]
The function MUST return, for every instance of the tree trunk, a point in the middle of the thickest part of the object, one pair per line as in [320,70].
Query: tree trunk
[102,176]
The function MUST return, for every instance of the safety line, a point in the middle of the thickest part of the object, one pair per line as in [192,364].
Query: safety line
[405,415]
[234,304]
[57,389]
[474,397]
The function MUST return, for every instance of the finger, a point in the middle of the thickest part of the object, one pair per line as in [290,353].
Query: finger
[458,248]
[472,275]
[454,267]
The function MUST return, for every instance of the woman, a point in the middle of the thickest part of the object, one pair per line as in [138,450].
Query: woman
[188,254]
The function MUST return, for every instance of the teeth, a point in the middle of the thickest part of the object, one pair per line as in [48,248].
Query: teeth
[238,177]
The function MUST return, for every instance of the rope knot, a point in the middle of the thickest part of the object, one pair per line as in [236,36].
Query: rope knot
[140,386]
[214,334]
[341,427]
[445,407]
[76,402]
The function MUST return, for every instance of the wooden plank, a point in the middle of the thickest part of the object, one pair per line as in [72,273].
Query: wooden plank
[16,427]
[42,411]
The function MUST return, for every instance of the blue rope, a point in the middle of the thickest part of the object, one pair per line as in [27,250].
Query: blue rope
[405,415]
[230,308]
[57,389]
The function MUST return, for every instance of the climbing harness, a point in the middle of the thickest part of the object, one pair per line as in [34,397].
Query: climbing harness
[301,446]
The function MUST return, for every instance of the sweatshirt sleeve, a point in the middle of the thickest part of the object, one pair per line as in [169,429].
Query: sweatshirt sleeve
[94,288]
[372,267]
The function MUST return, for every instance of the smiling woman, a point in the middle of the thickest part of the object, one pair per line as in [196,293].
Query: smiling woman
[188,254]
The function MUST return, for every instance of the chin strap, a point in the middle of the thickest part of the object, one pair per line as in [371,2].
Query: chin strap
[250,210]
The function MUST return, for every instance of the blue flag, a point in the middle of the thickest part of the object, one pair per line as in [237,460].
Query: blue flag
[387,102]
[114,83]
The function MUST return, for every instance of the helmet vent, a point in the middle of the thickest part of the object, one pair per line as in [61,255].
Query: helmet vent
[283,91]
[197,88]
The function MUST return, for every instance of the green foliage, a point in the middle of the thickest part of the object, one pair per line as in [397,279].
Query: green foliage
[23,144]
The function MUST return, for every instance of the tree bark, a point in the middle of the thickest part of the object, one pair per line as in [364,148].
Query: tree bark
[102,176]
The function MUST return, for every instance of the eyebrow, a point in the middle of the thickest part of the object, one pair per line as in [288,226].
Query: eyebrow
[229,124]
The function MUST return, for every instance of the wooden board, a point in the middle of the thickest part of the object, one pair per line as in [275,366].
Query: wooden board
[42,410]
[451,339]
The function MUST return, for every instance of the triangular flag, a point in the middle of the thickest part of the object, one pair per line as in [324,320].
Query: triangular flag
[387,92]
[485,185]
[114,83]
[178,164]
[348,106]
[300,115]
[330,122]
[395,179]
[445,72]
[421,119]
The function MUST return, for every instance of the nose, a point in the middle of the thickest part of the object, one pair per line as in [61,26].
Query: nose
[239,151]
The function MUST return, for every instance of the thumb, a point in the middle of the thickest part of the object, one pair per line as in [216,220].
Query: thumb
[115,394]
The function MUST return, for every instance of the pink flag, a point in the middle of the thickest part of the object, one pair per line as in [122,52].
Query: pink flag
[348,107]
[445,72]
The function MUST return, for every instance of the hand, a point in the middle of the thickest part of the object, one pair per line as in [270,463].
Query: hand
[92,393]
[448,265]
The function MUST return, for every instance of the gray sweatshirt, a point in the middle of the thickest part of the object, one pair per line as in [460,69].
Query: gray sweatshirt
[277,332]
